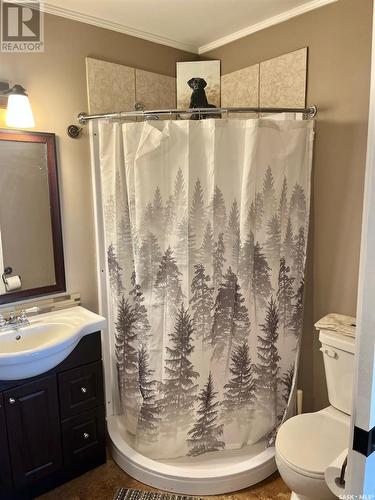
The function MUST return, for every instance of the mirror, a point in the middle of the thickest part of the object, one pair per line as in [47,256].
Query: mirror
[31,250]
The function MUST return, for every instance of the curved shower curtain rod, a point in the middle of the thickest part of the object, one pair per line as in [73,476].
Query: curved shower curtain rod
[83,118]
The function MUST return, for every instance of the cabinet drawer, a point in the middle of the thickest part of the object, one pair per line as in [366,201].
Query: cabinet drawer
[80,389]
[84,437]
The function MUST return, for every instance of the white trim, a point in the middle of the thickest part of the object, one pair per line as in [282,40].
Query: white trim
[271,21]
[101,266]
[366,286]
[364,382]
[151,37]
[111,25]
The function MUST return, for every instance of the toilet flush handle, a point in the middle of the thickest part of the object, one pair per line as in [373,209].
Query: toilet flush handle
[329,352]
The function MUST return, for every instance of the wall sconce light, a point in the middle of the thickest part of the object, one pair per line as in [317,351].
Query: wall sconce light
[19,112]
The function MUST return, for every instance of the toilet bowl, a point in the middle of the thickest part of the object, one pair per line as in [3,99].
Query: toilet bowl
[307,444]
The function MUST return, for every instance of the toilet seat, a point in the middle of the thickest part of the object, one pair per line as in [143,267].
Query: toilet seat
[308,443]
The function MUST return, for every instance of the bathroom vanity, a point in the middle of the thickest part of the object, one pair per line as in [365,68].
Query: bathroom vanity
[52,425]
[52,414]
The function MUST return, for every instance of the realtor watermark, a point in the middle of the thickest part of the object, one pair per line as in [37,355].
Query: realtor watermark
[357,497]
[22,26]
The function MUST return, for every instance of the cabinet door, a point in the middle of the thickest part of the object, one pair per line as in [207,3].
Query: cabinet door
[32,416]
[5,472]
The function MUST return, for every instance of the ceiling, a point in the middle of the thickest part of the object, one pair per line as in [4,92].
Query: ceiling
[193,25]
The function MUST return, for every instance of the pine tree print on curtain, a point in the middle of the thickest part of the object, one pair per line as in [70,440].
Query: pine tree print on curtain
[168,283]
[142,325]
[260,283]
[240,390]
[202,303]
[233,235]
[149,415]
[269,365]
[180,389]
[288,244]
[127,358]
[148,262]
[198,213]
[205,247]
[231,323]
[284,294]
[206,434]
[114,270]
[218,260]
[206,250]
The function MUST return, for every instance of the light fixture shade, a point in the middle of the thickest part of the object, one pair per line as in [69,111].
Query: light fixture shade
[19,112]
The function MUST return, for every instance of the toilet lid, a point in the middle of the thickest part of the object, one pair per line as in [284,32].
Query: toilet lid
[311,441]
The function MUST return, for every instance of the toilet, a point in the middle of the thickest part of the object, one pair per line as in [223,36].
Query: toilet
[308,443]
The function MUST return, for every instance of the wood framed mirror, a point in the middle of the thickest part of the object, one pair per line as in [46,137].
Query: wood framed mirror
[31,244]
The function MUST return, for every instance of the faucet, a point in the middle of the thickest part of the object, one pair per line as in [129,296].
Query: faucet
[14,322]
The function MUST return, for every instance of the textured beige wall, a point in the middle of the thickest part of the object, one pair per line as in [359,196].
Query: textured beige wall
[339,40]
[56,82]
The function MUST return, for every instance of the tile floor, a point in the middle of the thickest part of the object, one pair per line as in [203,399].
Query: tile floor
[103,482]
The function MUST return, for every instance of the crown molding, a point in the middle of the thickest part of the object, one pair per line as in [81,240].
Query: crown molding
[271,21]
[111,25]
[121,28]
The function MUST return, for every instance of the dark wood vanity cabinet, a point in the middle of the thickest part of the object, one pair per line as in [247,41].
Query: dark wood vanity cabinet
[5,470]
[33,424]
[52,427]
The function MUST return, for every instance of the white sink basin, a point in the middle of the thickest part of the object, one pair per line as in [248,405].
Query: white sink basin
[46,342]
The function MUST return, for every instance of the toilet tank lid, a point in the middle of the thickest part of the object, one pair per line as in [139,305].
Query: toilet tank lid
[346,325]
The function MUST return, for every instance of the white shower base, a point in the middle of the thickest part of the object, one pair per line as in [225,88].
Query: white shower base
[210,474]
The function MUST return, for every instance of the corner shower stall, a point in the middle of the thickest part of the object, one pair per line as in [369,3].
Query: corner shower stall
[201,244]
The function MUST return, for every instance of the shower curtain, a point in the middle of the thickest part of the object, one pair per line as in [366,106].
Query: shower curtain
[205,230]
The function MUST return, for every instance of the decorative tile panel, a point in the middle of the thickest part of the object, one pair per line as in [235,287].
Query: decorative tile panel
[110,86]
[283,80]
[241,88]
[155,91]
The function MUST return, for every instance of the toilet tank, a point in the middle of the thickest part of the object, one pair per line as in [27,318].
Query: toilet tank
[337,338]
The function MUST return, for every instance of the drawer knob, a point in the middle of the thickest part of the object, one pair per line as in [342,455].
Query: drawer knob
[83,390]
[12,401]
[86,435]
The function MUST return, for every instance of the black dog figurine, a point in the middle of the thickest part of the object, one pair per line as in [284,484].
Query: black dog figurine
[198,97]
